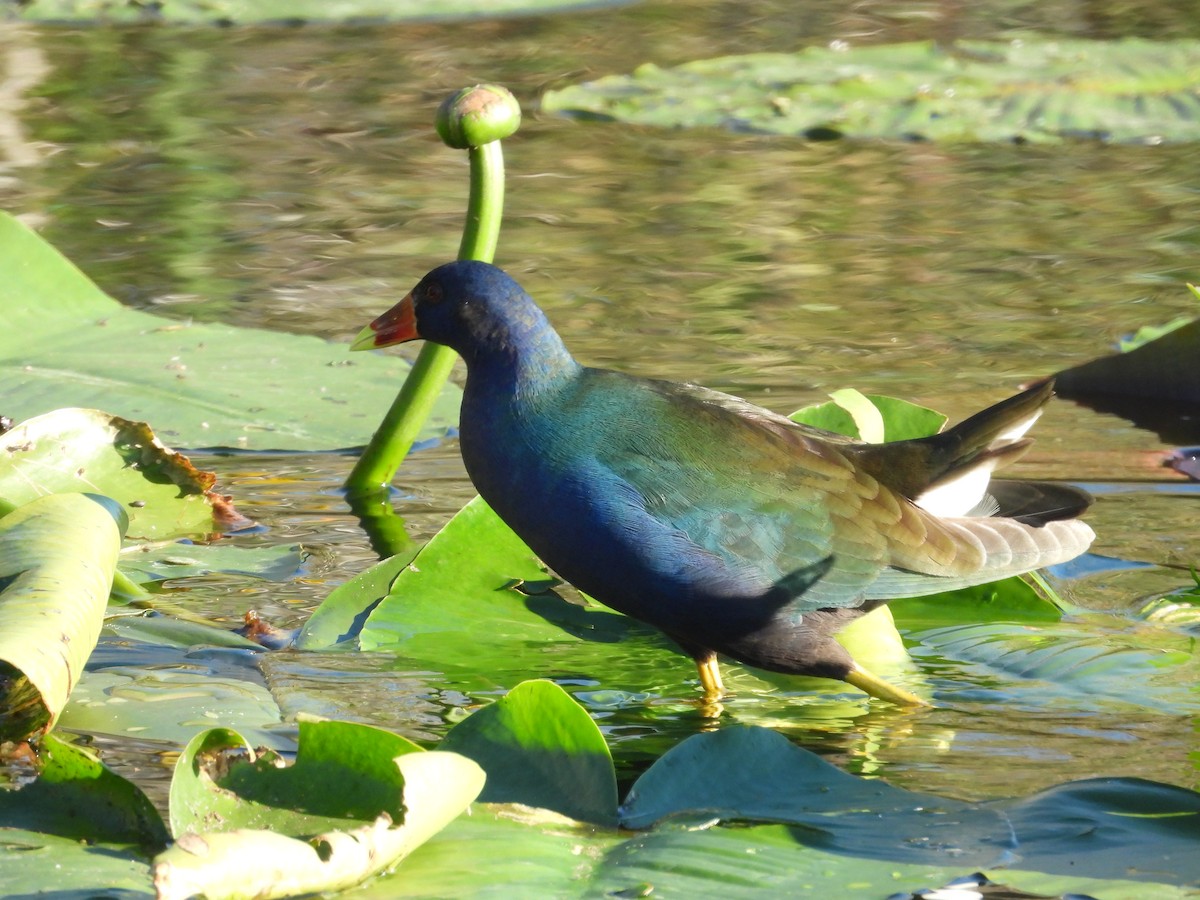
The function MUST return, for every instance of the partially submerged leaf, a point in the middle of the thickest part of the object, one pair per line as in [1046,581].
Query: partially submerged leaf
[57,558]
[356,801]
[1104,827]
[1089,660]
[35,863]
[343,771]
[546,857]
[78,797]
[462,583]
[86,450]
[513,851]
[780,860]
[170,560]
[1009,600]
[540,748]
[844,811]
[163,695]
[1030,89]
[154,627]
[343,613]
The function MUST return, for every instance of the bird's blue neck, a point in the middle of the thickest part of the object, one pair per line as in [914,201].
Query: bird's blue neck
[514,384]
[522,359]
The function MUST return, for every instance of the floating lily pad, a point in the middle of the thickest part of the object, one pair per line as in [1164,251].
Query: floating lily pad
[34,863]
[463,590]
[545,856]
[169,561]
[171,703]
[1103,663]
[342,614]
[89,451]
[539,747]
[1105,827]
[1028,90]
[67,343]
[77,796]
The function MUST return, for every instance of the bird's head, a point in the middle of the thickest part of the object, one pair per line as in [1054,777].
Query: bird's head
[467,305]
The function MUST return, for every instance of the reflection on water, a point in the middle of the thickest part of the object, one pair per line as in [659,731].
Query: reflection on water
[289,179]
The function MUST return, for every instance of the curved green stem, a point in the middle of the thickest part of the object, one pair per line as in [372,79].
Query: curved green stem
[394,438]
[485,207]
[391,442]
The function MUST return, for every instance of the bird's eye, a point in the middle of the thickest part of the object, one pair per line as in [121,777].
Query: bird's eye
[432,293]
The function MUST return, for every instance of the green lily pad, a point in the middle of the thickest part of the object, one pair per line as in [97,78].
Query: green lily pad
[170,702]
[247,827]
[776,860]
[545,856]
[341,615]
[1105,827]
[58,554]
[66,343]
[343,771]
[804,790]
[871,417]
[1029,89]
[513,851]
[540,748]
[837,835]
[464,585]
[34,863]
[168,561]
[76,796]
[85,450]
[1008,600]
[167,631]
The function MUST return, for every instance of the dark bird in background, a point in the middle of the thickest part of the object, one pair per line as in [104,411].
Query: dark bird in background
[732,529]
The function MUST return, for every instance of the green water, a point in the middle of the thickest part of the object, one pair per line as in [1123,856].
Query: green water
[289,178]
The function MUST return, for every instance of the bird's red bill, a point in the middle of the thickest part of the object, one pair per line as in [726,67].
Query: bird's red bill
[397,325]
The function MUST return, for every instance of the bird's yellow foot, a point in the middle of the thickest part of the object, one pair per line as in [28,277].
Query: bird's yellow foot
[877,687]
[710,677]
[714,688]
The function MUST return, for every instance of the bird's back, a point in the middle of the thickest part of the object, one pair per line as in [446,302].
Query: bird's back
[681,483]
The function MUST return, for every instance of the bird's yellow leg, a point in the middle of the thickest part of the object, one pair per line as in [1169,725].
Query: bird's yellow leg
[710,706]
[877,687]
[710,677]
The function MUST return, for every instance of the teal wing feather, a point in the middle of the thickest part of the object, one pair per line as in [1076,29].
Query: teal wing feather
[768,498]
[752,490]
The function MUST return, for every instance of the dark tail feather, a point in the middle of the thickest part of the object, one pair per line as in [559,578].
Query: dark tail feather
[992,437]
[1038,502]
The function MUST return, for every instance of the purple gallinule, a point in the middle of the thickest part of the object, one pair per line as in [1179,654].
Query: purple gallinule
[732,529]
